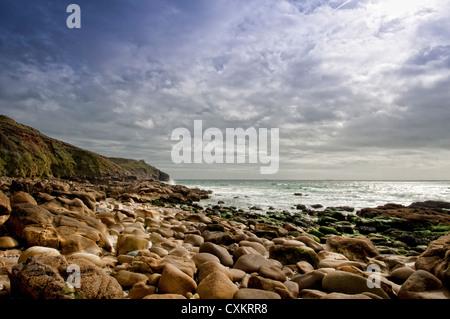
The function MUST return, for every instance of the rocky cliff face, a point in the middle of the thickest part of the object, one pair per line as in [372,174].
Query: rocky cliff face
[25,152]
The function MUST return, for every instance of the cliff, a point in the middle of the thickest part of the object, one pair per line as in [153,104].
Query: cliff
[26,152]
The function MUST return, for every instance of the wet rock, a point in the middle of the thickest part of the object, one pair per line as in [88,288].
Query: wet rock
[290,255]
[348,283]
[45,277]
[310,280]
[401,274]
[353,248]
[251,262]
[422,285]
[5,207]
[222,253]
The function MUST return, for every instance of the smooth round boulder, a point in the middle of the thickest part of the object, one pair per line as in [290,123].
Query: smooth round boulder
[211,266]
[349,283]
[222,253]
[7,242]
[175,281]
[37,250]
[217,285]
[251,262]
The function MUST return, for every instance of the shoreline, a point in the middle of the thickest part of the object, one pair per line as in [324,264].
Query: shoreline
[141,235]
[287,195]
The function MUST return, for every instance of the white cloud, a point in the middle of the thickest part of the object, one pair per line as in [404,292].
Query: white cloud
[147,124]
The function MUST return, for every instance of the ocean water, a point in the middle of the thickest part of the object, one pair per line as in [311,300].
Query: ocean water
[279,194]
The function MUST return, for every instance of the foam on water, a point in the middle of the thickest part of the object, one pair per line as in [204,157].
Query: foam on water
[280,194]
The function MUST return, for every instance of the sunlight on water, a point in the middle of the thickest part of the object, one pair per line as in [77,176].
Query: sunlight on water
[358,194]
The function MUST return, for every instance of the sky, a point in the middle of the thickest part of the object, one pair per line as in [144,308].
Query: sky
[358,89]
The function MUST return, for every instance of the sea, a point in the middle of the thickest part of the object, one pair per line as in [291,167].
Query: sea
[280,195]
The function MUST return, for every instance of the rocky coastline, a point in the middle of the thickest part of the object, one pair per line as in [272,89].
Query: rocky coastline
[122,239]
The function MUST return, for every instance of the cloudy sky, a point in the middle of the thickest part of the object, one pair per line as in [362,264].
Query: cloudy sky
[358,89]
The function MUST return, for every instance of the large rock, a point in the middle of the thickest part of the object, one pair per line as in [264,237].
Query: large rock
[423,285]
[290,255]
[127,243]
[7,242]
[65,230]
[401,274]
[5,208]
[310,280]
[251,262]
[359,249]
[174,281]
[37,250]
[436,259]
[129,279]
[22,197]
[222,253]
[211,266]
[415,214]
[349,283]
[217,285]
[258,282]
[47,277]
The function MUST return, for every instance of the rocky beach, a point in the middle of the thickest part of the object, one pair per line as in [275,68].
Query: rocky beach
[145,239]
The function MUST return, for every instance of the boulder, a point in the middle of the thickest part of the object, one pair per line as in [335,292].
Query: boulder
[290,255]
[37,250]
[312,294]
[140,290]
[304,267]
[251,262]
[255,245]
[65,230]
[175,281]
[193,239]
[251,293]
[5,207]
[258,282]
[211,266]
[308,241]
[128,279]
[201,258]
[7,242]
[127,243]
[272,272]
[41,277]
[95,283]
[47,277]
[217,285]
[359,249]
[401,274]
[310,280]
[349,283]
[436,258]
[184,264]
[222,253]
[22,197]
[423,285]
